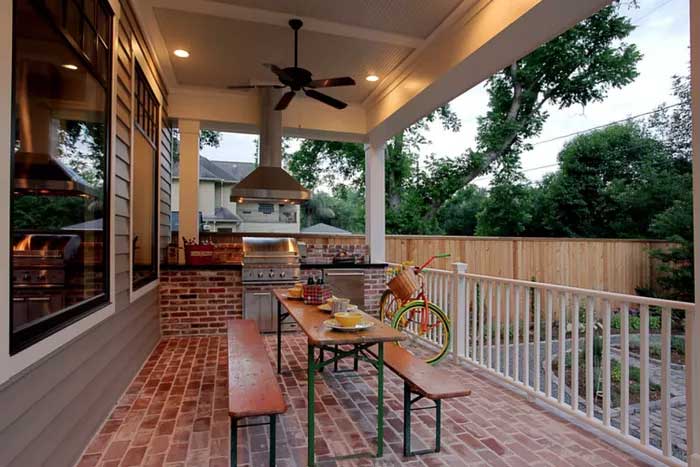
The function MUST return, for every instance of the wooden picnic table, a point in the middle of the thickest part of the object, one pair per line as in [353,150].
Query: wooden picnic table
[310,320]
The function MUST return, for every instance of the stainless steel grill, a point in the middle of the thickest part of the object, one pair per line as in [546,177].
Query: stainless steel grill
[270,260]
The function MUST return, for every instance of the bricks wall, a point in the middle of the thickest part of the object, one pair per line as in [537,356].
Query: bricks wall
[318,253]
[196,302]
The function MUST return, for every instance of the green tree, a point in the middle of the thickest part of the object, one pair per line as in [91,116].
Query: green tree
[507,212]
[458,216]
[207,138]
[576,68]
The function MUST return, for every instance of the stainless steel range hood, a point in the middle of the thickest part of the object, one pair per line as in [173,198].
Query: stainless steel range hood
[270,182]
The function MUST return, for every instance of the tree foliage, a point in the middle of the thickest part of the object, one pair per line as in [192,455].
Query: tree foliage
[207,139]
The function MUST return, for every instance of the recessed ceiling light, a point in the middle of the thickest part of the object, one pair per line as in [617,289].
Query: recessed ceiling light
[182,53]
[372,78]
[69,66]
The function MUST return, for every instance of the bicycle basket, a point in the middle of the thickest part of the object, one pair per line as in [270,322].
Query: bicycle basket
[404,284]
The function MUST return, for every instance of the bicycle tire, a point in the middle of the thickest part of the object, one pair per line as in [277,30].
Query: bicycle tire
[440,316]
[386,303]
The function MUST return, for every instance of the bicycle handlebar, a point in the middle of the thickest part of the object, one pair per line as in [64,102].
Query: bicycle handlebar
[431,259]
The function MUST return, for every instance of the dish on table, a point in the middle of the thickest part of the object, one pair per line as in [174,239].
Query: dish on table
[327,307]
[336,326]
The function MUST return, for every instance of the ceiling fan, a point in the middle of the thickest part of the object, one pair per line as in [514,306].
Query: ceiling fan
[299,79]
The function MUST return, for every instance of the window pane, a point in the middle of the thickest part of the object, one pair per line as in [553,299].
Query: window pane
[74,21]
[58,254]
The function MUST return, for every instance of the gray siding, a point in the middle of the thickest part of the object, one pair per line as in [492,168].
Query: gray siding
[51,411]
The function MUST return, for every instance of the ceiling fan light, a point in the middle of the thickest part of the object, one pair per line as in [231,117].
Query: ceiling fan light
[372,78]
[181,53]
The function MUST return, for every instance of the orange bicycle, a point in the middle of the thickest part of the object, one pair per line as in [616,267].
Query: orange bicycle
[405,304]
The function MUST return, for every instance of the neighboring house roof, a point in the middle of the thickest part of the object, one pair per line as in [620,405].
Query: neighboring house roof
[223,214]
[219,170]
[322,228]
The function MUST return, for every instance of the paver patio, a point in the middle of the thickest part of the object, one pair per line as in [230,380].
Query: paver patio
[174,413]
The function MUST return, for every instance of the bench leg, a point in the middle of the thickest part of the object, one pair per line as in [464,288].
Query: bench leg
[273,439]
[406,420]
[438,423]
[234,442]
[335,364]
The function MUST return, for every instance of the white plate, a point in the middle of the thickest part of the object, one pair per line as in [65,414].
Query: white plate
[335,325]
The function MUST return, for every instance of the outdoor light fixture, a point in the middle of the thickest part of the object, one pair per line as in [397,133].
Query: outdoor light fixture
[69,66]
[372,78]
[182,53]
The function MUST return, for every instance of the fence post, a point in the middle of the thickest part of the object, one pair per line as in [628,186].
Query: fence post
[459,310]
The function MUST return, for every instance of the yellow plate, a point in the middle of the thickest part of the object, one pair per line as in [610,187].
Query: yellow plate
[361,326]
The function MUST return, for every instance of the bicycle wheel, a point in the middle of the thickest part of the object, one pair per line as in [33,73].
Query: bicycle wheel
[388,306]
[429,332]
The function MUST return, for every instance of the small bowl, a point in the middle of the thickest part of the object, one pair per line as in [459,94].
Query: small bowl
[348,319]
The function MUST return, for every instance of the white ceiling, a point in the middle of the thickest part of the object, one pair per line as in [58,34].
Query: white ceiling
[229,40]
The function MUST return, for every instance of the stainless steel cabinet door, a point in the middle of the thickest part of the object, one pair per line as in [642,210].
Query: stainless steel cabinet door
[258,307]
[347,283]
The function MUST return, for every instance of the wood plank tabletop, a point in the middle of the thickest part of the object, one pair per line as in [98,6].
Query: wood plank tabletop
[310,320]
[252,385]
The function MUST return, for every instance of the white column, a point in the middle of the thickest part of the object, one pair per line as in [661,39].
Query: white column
[189,181]
[693,320]
[375,221]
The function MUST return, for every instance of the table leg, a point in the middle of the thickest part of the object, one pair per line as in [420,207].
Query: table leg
[310,402]
[279,337]
[380,400]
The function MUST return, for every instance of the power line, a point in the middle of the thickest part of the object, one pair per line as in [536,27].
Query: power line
[661,4]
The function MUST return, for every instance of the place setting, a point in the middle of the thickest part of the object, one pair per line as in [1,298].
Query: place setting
[345,316]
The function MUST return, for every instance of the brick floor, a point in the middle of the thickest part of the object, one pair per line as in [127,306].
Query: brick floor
[174,413]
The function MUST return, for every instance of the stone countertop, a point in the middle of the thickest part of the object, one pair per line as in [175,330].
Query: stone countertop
[237,267]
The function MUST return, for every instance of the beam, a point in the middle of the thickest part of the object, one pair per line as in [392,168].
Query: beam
[375,215]
[239,111]
[189,181]
[153,37]
[275,18]
[489,37]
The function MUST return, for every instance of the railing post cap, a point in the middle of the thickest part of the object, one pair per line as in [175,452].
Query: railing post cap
[460,267]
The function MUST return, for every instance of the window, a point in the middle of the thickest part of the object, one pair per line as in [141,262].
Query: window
[59,209]
[145,184]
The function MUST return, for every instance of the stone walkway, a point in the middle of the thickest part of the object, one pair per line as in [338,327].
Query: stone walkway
[174,413]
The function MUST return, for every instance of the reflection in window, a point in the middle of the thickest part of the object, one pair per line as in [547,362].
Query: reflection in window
[59,261]
[145,184]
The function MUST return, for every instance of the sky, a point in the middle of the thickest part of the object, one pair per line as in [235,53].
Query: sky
[662,36]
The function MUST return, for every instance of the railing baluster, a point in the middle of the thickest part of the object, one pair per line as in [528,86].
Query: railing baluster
[475,321]
[482,298]
[467,316]
[516,335]
[574,352]
[537,362]
[548,345]
[526,338]
[562,347]
[506,336]
[607,311]
[498,328]
[644,374]
[590,381]
[666,382]
[489,327]
[625,369]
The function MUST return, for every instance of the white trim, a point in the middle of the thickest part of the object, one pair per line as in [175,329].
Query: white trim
[277,18]
[11,366]
[135,294]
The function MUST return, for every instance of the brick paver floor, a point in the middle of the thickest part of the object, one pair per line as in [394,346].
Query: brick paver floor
[174,413]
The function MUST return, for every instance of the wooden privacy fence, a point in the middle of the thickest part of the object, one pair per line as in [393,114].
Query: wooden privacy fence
[612,265]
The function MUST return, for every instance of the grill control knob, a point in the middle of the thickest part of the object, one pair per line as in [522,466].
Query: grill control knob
[272,274]
[26,276]
[283,274]
[261,275]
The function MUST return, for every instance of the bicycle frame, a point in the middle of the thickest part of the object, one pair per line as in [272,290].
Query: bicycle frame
[421,295]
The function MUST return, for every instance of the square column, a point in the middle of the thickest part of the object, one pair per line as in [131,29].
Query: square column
[189,181]
[375,215]
[693,319]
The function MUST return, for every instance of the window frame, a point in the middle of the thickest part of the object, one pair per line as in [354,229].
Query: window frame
[68,316]
[141,82]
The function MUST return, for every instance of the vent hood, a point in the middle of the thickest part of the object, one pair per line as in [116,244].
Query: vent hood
[39,173]
[269,182]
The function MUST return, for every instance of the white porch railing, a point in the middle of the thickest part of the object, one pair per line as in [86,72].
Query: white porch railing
[610,360]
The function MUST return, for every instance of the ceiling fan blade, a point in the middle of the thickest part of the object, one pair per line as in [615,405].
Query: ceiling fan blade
[255,86]
[332,82]
[326,99]
[285,100]
[281,74]
[241,86]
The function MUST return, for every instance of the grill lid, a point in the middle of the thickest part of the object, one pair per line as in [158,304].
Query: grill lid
[264,249]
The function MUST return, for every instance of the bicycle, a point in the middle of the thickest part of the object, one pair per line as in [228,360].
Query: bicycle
[409,309]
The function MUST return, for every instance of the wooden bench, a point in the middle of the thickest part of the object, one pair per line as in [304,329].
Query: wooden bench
[253,390]
[426,382]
